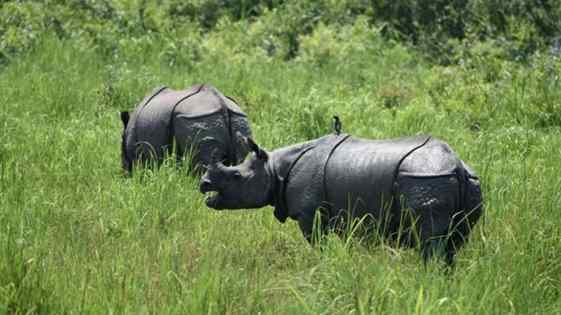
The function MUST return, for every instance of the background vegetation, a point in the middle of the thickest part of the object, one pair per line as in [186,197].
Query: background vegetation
[78,237]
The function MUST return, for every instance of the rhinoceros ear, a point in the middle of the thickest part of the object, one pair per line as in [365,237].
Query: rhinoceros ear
[125,118]
[261,154]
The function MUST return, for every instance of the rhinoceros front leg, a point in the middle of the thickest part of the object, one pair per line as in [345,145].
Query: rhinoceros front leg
[314,224]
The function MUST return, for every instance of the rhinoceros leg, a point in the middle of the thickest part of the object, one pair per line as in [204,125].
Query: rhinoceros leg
[306,224]
[472,205]
[314,224]
[433,201]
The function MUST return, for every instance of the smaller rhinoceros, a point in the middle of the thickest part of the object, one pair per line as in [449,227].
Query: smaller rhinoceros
[413,189]
[200,121]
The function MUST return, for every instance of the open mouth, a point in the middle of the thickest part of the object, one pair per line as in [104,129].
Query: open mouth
[212,199]
[212,195]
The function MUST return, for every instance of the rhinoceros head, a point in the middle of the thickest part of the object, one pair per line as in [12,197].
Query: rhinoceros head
[246,185]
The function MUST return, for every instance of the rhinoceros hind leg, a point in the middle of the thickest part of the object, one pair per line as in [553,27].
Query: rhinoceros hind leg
[437,247]
[472,209]
[432,201]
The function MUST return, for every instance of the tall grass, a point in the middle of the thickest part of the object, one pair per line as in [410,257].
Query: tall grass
[77,237]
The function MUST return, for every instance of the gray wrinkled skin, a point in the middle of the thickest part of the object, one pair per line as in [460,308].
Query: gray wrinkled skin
[414,191]
[196,122]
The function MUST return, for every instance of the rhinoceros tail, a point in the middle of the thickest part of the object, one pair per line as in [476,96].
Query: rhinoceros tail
[125,160]
[473,198]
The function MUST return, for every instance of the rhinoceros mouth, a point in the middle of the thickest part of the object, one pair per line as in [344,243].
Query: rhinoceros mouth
[213,199]
[212,195]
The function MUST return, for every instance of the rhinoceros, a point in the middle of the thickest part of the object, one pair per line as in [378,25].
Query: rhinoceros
[198,120]
[415,190]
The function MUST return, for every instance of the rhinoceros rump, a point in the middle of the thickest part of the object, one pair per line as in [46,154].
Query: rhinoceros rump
[200,120]
[415,190]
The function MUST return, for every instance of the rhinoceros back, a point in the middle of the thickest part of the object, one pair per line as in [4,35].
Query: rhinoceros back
[360,175]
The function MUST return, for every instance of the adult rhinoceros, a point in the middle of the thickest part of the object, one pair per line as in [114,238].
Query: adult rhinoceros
[199,120]
[415,190]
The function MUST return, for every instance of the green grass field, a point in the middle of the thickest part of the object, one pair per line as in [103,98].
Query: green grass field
[78,237]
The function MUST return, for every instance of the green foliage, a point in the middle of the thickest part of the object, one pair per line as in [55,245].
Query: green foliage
[275,28]
[78,237]
[436,27]
[19,28]
[340,45]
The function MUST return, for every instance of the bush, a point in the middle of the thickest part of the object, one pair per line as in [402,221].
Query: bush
[278,28]
[339,44]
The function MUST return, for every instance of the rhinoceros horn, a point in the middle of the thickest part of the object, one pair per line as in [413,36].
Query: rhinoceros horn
[260,153]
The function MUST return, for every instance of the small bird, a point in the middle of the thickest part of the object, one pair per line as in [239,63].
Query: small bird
[337,125]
